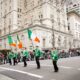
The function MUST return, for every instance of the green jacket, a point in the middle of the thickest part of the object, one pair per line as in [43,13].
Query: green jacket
[54,55]
[26,53]
[37,53]
[15,55]
[10,55]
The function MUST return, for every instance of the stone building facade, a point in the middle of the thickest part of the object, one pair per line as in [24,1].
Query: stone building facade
[46,18]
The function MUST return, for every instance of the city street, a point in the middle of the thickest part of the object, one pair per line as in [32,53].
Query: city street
[40,29]
[69,69]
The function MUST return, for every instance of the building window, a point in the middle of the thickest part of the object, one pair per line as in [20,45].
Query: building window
[64,23]
[10,8]
[40,15]
[51,1]
[40,1]
[19,10]
[76,24]
[0,32]
[4,30]
[67,18]
[10,1]
[9,28]
[32,4]
[57,2]
[43,42]
[65,42]
[68,26]
[74,5]
[59,41]
[52,16]
[25,3]
[9,20]
[58,19]
[19,16]
[1,14]
[5,11]
[5,4]
[79,35]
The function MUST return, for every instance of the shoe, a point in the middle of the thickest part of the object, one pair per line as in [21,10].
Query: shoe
[25,66]
[38,67]
[56,71]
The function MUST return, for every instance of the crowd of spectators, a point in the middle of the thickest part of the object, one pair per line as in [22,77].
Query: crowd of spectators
[46,55]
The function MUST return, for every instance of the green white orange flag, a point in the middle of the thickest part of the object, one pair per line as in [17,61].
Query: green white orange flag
[29,33]
[10,40]
[32,36]
[20,45]
[37,39]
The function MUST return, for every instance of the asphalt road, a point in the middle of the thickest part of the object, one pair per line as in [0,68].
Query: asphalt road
[69,69]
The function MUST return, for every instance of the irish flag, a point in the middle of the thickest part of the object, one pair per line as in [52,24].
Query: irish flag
[10,40]
[37,39]
[19,43]
[29,34]
[32,36]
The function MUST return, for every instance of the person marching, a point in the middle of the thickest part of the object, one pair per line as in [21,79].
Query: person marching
[54,56]
[25,56]
[10,57]
[37,55]
[15,58]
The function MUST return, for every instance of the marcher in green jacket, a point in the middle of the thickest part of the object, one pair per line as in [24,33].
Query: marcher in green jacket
[15,55]
[25,56]
[26,53]
[10,57]
[37,54]
[54,56]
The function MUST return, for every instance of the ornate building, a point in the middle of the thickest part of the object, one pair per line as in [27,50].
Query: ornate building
[73,13]
[46,18]
[73,5]
[74,26]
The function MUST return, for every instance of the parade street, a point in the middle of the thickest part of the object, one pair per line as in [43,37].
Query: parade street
[69,69]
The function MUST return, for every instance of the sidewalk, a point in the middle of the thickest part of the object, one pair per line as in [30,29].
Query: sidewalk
[2,77]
